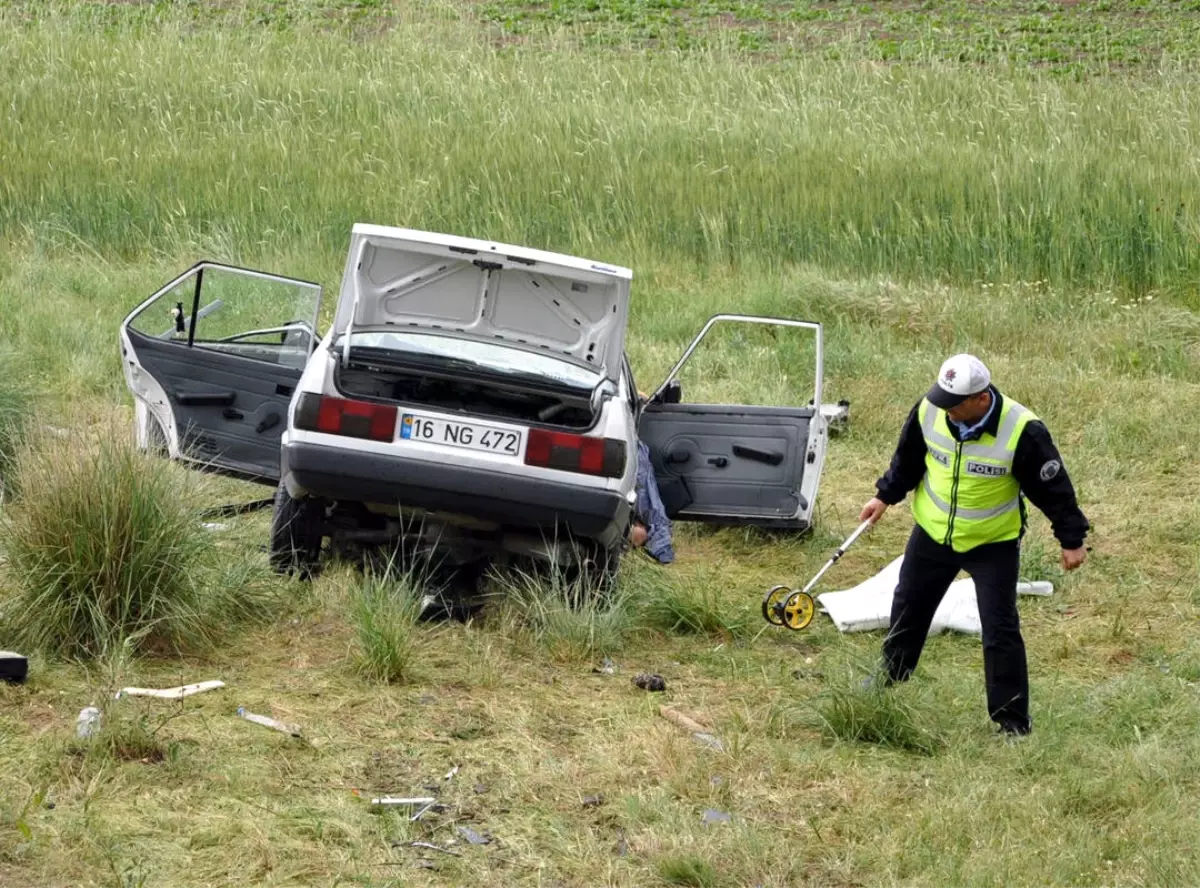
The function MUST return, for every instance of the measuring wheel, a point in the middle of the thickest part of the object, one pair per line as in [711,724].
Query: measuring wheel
[798,610]
[772,606]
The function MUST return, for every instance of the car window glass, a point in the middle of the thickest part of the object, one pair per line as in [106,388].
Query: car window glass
[745,364]
[240,312]
[162,317]
[493,356]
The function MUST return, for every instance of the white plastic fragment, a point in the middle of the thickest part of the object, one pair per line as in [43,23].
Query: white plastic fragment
[266,722]
[394,801]
[87,723]
[171,693]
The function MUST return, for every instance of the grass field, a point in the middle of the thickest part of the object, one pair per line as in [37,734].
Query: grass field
[1020,179]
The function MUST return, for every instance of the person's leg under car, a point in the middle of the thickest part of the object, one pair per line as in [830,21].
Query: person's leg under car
[994,568]
[926,573]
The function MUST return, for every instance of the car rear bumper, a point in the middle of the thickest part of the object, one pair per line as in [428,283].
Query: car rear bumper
[512,502]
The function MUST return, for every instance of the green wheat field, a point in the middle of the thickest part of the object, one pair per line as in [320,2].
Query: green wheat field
[1016,178]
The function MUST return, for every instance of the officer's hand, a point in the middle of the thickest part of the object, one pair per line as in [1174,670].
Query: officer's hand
[873,510]
[1073,558]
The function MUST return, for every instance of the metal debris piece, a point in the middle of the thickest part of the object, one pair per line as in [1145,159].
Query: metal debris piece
[694,723]
[396,802]
[292,730]
[451,773]
[711,815]
[433,847]
[709,740]
[473,837]
[606,667]
[648,682]
[171,693]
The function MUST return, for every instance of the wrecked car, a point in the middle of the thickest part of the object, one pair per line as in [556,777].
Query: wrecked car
[468,396]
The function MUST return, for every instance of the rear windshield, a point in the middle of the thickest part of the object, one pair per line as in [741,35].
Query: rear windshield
[488,355]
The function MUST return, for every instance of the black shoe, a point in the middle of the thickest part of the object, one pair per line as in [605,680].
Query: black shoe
[1010,729]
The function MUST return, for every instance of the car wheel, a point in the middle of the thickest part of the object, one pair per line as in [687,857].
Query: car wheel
[296,533]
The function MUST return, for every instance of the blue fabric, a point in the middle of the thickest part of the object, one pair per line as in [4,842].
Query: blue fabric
[650,511]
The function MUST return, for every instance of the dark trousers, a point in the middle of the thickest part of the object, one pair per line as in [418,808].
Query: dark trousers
[925,575]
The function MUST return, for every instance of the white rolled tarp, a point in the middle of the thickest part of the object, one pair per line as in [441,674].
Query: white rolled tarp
[868,605]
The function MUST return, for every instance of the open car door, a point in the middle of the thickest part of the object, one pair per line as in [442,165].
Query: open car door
[212,360]
[738,463]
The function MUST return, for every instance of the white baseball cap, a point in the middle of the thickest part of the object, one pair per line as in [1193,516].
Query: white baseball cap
[961,377]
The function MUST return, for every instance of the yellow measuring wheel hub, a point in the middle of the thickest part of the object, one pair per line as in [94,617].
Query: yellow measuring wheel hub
[772,606]
[798,610]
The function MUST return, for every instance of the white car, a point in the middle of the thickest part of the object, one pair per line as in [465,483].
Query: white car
[471,397]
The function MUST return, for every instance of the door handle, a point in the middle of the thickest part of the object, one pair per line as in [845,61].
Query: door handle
[267,422]
[770,457]
[230,413]
[719,461]
[206,399]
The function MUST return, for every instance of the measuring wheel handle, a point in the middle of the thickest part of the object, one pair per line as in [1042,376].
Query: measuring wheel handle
[798,610]
[772,605]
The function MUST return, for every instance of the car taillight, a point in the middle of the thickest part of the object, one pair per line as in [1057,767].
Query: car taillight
[339,416]
[575,453]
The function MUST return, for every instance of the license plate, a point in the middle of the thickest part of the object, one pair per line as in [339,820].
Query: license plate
[471,435]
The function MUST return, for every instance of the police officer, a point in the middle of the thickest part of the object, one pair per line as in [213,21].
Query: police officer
[971,455]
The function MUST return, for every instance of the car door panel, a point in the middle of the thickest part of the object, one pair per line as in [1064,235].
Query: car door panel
[214,357]
[229,410]
[732,463]
[735,463]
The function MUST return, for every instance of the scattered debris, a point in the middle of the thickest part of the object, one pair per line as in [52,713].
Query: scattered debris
[433,847]
[593,801]
[711,816]
[473,837]
[214,526]
[648,682]
[710,740]
[424,863]
[688,721]
[87,723]
[171,693]
[394,801]
[697,725]
[480,788]
[292,730]
[451,773]
[606,667]
[13,667]
[426,699]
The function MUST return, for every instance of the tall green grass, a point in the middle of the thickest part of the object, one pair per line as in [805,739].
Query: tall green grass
[16,417]
[106,555]
[254,142]
[384,610]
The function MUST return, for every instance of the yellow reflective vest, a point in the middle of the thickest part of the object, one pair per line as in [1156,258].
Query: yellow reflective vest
[969,496]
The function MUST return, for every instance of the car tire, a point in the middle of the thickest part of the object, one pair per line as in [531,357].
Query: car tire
[296,533]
